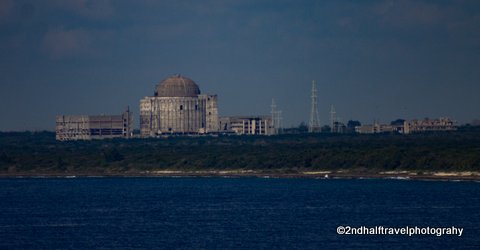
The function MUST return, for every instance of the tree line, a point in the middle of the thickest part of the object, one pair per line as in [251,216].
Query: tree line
[40,153]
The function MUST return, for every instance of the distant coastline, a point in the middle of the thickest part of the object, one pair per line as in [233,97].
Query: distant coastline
[400,175]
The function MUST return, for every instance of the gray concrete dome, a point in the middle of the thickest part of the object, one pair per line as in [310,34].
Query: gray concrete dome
[177,86]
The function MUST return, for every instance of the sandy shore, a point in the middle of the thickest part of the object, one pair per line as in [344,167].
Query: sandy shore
[404,175]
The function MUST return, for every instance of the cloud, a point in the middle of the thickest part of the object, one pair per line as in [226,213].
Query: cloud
[466,30]
[6,7]
[60,43]
[408,13]
[92,9]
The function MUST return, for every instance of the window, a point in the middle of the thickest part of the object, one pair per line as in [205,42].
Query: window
[181,107]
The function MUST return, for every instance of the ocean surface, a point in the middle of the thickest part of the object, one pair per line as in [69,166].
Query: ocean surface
[232,213]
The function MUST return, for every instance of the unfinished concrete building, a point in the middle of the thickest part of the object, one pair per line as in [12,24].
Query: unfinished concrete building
[429,125]
[177,107]
[247,125]
[88,127]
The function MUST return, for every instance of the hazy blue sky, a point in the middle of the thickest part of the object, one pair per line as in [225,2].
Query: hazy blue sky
[372,59]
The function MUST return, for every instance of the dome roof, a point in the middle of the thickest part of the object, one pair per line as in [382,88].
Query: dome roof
[177,86]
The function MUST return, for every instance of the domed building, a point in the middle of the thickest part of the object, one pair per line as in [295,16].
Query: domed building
[178,107]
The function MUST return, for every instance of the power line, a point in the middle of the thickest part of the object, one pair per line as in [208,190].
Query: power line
[314,124]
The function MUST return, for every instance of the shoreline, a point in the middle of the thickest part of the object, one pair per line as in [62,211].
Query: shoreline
[400,175]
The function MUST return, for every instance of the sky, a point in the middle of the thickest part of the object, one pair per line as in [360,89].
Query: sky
[373,60]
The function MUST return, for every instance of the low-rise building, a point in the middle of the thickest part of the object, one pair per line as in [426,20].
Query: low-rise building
[378,128]
[88,127]
[429,125]
[247,125]
[338,128]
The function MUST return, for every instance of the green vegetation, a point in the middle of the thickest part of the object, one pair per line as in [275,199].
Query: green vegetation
[39,153]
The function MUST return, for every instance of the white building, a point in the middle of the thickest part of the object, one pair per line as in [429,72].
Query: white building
[247,125]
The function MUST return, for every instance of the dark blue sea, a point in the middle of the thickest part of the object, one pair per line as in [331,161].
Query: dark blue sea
[232,213]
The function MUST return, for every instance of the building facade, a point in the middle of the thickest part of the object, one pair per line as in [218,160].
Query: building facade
[338,128]
[177,107]
[88,127]
[377,128]
[428,125]
[247,125]
[408,127]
